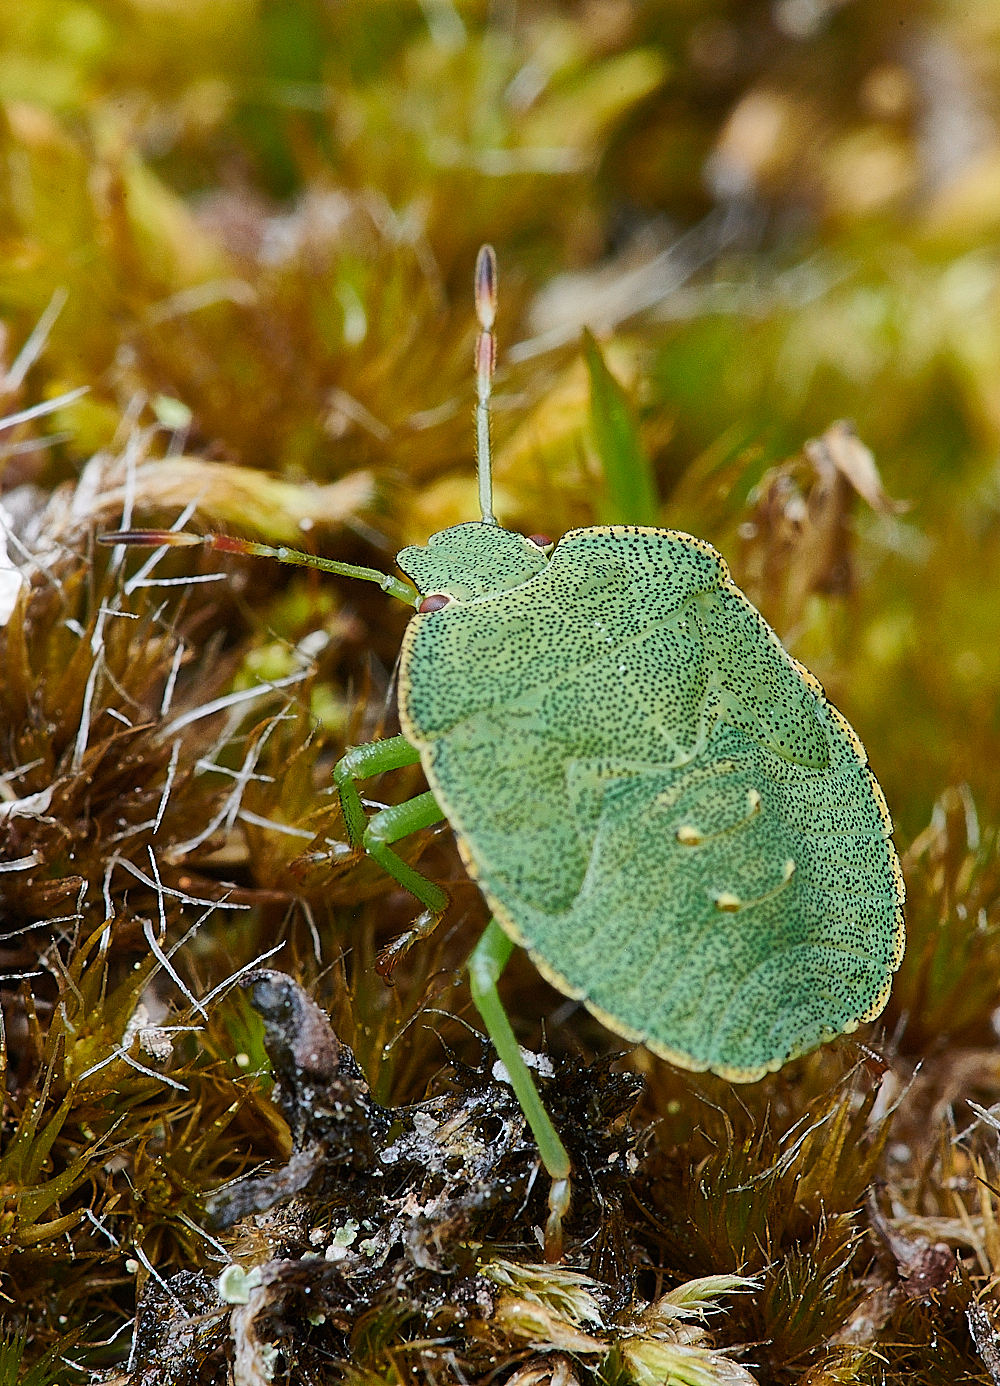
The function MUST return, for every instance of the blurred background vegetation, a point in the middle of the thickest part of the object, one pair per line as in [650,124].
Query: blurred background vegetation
[248,228]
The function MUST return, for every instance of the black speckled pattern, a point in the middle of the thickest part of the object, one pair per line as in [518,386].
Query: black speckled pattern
[657,801]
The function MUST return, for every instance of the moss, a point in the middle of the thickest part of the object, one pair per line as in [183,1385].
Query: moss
[235,254]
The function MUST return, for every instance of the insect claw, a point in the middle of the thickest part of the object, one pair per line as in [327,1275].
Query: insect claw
[422,927]
[390,956]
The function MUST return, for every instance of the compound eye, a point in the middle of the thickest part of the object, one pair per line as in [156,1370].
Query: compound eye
[434,602]
[541,541]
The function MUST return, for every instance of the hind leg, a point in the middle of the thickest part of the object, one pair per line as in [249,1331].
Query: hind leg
[485,966]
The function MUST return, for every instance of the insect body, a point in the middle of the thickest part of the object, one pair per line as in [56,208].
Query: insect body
[656,800]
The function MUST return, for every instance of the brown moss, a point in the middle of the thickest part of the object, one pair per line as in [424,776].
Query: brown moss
[249,234]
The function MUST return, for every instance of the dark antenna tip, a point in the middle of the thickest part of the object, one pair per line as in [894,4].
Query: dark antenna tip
[486,287]
[152,538]
[486,360]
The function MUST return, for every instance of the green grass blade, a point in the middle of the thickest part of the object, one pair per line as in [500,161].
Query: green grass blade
[628,476]
[11,1352]
[42,1372]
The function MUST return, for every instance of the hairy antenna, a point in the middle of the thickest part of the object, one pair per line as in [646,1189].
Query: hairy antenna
[177,539]
[486,351]
[486,359]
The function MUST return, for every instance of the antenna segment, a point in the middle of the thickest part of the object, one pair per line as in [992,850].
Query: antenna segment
[226,543]
[486,359]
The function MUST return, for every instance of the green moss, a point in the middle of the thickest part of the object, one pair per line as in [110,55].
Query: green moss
[248,230]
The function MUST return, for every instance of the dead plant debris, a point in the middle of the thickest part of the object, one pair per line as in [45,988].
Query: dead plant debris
[236,243]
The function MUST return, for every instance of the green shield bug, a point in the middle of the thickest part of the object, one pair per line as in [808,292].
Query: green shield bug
[656,800]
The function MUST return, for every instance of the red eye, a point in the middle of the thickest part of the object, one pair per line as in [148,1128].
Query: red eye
[542,540]
[435,602]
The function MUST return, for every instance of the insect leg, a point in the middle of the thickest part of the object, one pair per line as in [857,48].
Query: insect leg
[485,966]
[399,821]
[360,763]
[374,835]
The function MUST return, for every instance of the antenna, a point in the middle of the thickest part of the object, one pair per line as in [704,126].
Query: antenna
[486,360]
[226,543]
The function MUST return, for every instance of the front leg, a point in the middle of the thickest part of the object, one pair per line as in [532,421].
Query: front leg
[361,763]
[374,835]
